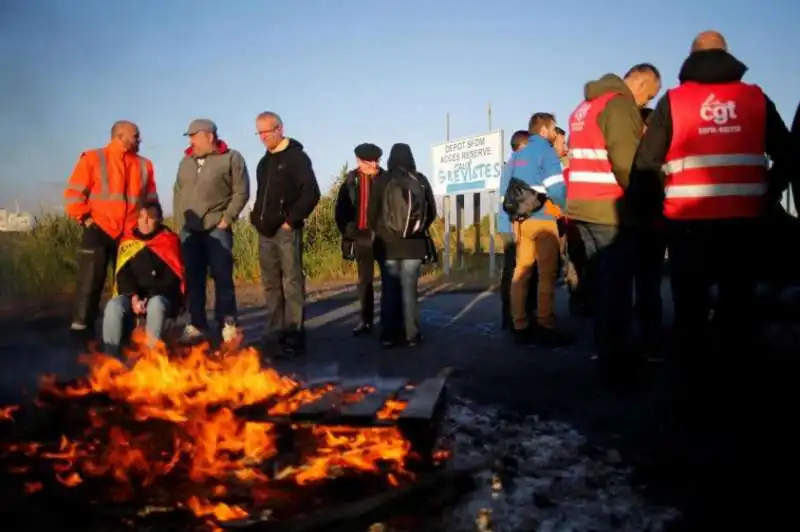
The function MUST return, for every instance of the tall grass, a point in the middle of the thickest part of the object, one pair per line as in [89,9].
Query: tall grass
[42,262]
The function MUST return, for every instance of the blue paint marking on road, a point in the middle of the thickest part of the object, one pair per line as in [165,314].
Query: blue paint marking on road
[441,320]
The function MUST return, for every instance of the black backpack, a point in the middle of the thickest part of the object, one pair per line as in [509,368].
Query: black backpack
[405,205]
[521,200]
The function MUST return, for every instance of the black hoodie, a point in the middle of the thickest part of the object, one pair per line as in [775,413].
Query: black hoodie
[287,189]
[387,245]
[708,67]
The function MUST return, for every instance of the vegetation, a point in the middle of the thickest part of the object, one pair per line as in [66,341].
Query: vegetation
[42,263]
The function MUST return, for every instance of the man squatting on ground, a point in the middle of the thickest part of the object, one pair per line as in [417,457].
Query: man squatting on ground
[148,280]
[351,214]
[287,193]
[102,194]
[211,189]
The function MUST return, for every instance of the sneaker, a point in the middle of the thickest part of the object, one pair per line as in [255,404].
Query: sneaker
[77,326]
[387,341]
[229,331]
[191,334]
[415,341]
[362,329]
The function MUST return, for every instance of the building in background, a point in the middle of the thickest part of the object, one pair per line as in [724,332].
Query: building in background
[15,221]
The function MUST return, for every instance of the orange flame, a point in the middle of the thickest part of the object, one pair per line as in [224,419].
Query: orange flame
[196,395]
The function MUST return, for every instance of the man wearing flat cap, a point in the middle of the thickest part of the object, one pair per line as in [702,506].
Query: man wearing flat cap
[357,236]
[211,190]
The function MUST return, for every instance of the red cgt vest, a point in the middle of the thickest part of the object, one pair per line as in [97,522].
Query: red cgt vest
[716,167]
[590,175]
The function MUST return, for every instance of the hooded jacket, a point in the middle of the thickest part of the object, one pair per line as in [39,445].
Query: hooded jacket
[210,188]
[709,67]
[148,275]
[387,245]
[621,124]
[287,190]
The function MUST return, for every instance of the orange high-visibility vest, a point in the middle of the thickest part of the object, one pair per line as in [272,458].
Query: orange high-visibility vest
[106,185]
[590,175]
[716,167]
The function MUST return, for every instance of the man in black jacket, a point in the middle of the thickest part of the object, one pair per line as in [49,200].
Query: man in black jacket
[352,206]
[711,203]
[148,281]
[287,193]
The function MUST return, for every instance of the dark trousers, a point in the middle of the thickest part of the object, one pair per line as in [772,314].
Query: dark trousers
[365,262]
[579,301]
[96,252]
[651,245]
[282,277]
[399,299]
[703,254]
[509,263]
[607,281]
[203,252]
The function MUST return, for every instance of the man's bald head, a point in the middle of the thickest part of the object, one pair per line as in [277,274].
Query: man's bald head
[709,40]
[127,134]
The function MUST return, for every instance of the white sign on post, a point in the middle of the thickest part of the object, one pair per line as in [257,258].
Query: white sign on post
[467,165]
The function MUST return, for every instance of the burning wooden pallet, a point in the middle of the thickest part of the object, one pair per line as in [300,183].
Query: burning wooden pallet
[415,409]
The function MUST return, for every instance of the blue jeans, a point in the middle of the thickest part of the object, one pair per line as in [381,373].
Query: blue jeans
[399,305]
[118,319]
[610,263]
[203,252]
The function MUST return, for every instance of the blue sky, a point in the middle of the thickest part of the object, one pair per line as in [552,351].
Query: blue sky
[339,72]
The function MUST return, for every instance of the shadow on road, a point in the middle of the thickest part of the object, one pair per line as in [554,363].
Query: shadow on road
[689,449]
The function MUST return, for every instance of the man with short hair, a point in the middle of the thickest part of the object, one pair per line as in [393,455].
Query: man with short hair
[518,141]
[211,189]
[705,149]
[604,132]
[350,212]
[148,280]
[101,195]
[537,238]
[560,145]
[286,195]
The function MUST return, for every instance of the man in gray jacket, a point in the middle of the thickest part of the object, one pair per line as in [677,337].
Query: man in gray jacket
[211,190]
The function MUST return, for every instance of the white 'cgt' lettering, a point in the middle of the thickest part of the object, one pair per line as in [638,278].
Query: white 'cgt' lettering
[716,111]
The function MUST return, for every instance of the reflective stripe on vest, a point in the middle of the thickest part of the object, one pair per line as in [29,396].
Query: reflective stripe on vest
[104,194]
[715,167]
[590,175]
[103,190]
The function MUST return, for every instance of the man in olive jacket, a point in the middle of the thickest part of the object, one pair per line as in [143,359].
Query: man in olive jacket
[211,189]
[596,206]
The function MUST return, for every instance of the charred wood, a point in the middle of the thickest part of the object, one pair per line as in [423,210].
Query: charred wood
[429,494]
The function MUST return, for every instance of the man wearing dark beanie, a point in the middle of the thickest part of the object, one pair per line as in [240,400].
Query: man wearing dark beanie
[351,210]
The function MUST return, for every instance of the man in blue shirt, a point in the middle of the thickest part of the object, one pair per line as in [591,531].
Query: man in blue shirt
[518,141]
[537,237]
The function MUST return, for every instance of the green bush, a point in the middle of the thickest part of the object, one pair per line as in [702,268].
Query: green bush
[42,262]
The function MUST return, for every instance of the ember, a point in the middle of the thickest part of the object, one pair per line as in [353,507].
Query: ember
[219,429]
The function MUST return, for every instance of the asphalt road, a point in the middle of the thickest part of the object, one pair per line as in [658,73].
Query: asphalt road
[683,461]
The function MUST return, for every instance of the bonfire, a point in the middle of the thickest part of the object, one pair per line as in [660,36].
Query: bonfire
[166,427]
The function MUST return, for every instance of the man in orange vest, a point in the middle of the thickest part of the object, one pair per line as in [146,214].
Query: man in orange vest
[102,195]
[605,130]
[706,143]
